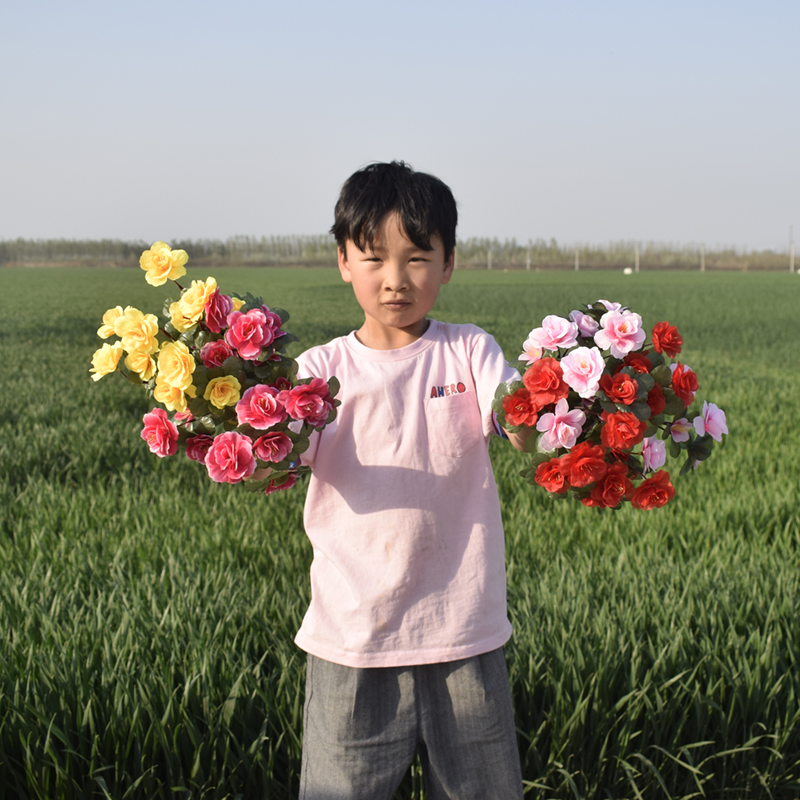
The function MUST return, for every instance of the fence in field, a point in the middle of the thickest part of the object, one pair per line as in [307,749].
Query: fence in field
[472,253]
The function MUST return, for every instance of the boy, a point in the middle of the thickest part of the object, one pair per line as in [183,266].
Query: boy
[408,612]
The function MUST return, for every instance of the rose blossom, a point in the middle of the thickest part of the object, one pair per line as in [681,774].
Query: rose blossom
[666,339]
[289,481]
[214,354]
[610,490]
[621,332]
[587,325]
[273,446]
[261,407]
[711,422]
[654,453]
[531,352]
[544,380]
[684,383]
[310,402]
[160,433]
[250,333]
[621,388]
[639,361]
[656,400]
[198,446]
[610,306]
[218,306]
[584,464]
[230,458]
[550,477]
[519,408]
[654,492]
[555,332]
[562,428]
[622,430]
[582,369]
[679,430]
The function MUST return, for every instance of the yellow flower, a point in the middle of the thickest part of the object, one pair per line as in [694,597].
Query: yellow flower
[172,397]
[224,391]
[141,363]
[194,299]
[180,322]
[162,264]
[105,360]
[237,303]
[137,331]
[107,329]
[176,365]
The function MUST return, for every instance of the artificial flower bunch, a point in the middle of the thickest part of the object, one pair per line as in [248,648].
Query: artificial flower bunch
[608,406]
[217,362]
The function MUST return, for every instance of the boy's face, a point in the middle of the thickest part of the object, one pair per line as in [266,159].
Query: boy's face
[396,284]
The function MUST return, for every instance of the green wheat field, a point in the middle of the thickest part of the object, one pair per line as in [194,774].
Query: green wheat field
[147,615]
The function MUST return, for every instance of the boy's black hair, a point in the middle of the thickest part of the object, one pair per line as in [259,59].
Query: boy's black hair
[425,205]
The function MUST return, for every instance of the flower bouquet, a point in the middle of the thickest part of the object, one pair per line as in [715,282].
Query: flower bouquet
[217,362]
[608,406]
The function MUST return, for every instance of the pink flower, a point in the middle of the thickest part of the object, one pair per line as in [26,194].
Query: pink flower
[230,458]
[198,446]
[218,306]
[555,332]
[250,333]
[611,306]
[273,446]
[160,433]
[712,422]
[310,402]
[289,481]
[582,370]
[531,352]
[183,416]
[214,354]
[587,326]
[261,407]
[621,332]
[654,453]
[562,428]
[679,430]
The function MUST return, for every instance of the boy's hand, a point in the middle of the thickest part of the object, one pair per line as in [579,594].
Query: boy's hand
[518,439]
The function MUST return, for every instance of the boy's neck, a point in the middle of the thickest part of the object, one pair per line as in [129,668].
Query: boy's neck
[379,337]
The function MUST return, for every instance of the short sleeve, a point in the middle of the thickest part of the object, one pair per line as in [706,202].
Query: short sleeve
[489,370]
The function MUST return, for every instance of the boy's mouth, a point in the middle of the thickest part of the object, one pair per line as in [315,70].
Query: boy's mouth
[396,305]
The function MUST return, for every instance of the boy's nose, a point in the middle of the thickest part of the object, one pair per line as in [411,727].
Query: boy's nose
[395,278]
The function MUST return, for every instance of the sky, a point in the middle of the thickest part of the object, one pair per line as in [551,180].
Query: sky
[587,122]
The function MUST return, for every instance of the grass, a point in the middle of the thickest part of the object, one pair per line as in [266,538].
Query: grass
[147,615]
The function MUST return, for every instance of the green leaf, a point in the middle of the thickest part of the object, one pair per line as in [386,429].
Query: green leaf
[232,365]
[204,337]
[333,386]
[640,410]
[646,383]
[662,375]
[198,407]
[674,448]
[675,406]
[283,314]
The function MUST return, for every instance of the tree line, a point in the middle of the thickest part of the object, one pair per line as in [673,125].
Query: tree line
[320,250]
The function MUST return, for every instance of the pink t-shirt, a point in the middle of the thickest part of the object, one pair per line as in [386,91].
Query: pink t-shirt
[402,508]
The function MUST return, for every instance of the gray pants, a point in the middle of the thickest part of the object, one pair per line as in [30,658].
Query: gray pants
[362,728]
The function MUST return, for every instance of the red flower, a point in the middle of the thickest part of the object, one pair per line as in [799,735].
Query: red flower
[198,446]
[654,492]
[584,464]
[310,402]
[611,489]
[520,409]
[218,306]
[549,476]
[620,388]
[684,383]
[656,400]
[545,381]
[287,483]
[622,430]
[639,361]
[160,433]
[214,354]
[666,339]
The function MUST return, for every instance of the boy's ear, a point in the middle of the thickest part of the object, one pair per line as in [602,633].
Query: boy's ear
[449,266]
[344,269]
